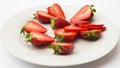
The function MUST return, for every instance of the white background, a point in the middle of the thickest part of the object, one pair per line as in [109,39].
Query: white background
[109,8]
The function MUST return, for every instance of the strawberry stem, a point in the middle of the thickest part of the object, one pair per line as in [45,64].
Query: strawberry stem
[92,8]
[53,23]
[22,31]
[59,38]
[28,37]
[57,48]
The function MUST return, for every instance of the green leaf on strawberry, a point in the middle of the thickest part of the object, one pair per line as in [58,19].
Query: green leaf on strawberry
[22,31]
[92,8]
[53,23]
[28,37]
[59,38]
[57,48]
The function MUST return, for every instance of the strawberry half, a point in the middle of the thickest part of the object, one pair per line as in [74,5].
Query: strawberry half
[84,14]
[43,16]
[56,10]
[62,48]
[39,39]
[61,35]
[91,34]
[33,26]
[59,22]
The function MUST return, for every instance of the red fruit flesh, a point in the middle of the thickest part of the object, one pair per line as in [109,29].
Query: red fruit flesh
[34,26]
[43,17]
[40,39]
[67,35]
[56,10]
[72,28]
[84,14]
[80,22]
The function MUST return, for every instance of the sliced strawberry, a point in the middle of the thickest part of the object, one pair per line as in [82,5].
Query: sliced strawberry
[62,48]
[56,10]
[39,39]
[31,26]
[43,16]
[73,28]
[59,22]
[97,28]
[61,35]
[91,34]
[80,22]
[84,14]
[84,25]
[96,25]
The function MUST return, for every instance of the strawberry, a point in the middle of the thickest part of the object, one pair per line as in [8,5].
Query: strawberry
[74,28]
[43,16]
[31,26]
[91,34]
[84,14]
[56,10]
[61,35]
[62,48]
[92,26]
[39,39]
[97,26]
[59,22]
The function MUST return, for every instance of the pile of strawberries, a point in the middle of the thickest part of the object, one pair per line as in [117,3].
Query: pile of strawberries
[64,31]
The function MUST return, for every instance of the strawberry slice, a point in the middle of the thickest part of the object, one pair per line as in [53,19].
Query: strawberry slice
[84,25]
[92,26]
[43,16]
[31,26]
[74,28]
[61,35]
[62,48]
[84,14]
[56,10]
[80,22]
[59,22]
[39,39]
[91,34]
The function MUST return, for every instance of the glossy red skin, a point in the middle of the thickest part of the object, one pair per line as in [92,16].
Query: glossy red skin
[34,26]
[67,48]
[41,39]
[43,16]
[56,10]
[61,22]
[84,14]
[67,35]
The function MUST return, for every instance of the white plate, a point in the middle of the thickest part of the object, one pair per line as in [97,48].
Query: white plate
[84,51]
